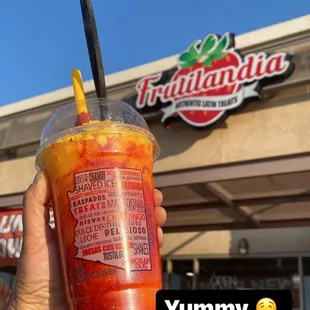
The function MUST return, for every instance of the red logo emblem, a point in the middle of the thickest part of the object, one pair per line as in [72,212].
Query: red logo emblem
[212,78]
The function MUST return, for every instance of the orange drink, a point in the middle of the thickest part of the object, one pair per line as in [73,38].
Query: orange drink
[101,181]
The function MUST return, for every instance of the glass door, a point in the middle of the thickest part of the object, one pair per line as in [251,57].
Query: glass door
[243,273]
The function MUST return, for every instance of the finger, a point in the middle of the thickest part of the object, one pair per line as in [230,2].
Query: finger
[35,214]
[158,197]
[160,236]
[160,216]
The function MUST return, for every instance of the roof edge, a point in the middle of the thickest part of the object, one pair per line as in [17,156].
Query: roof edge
[257,37]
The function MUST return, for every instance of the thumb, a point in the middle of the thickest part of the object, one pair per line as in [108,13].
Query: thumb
[35,214]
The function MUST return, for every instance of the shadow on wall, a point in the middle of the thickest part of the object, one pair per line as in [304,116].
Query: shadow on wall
[178,138]
[181,136]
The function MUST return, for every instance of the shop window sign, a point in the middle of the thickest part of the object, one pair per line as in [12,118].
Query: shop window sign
[245,283]
[211,80]
[233,282]
[11,236]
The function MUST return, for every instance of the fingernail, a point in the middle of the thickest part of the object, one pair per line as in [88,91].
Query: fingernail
[37,178]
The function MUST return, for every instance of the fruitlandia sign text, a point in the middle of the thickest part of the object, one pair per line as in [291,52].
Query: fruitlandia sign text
[211,79]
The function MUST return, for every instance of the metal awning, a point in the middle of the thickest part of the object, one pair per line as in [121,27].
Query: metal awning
[262,194]
[257,194]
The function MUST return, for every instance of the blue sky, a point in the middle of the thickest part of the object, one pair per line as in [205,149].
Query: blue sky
[43,40]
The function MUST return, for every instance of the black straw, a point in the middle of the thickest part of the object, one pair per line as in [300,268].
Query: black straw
[93,46]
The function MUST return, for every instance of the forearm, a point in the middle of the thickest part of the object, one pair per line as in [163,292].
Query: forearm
[13,305]
[18,305]
[18,302]
[22,299]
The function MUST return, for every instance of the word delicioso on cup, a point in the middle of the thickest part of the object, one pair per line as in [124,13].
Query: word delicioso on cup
[224,300]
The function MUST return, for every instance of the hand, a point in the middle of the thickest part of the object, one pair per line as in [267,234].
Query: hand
[39,284]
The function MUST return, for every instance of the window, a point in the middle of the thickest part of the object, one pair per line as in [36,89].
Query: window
[306,279]
[181,277]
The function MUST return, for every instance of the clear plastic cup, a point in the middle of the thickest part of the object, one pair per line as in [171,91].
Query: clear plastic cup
[100,174]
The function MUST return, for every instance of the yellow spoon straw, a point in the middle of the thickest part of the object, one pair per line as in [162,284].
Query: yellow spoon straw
[78,90]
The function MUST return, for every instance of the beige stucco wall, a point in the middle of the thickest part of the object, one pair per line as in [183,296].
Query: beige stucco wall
[271,130]
[16,175]
[264,129]
[225,243]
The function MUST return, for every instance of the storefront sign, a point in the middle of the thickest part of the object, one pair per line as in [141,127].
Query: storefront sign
[256,283]
[211,79]
[11,236]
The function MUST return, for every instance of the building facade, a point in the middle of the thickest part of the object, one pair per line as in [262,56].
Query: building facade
[237,193]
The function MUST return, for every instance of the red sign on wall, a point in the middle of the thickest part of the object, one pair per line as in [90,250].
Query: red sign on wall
[11,236]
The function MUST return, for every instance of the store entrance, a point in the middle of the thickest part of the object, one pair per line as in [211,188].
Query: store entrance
[235,273]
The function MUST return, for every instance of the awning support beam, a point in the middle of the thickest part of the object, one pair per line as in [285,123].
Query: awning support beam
[226,198]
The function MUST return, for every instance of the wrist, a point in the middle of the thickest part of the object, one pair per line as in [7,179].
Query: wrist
[15,304]
[20,304]
[10,307]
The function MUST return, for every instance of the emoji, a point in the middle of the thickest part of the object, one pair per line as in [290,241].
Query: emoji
[266,304]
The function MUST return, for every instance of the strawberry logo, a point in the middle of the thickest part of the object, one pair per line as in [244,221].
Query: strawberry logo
[212,55]
[211,79]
